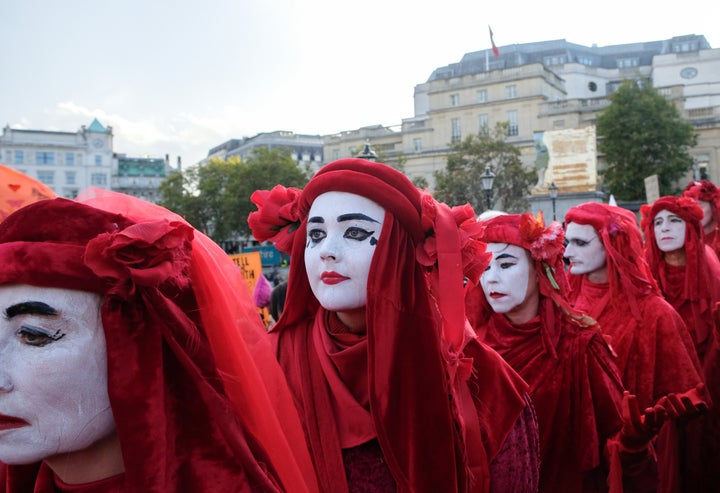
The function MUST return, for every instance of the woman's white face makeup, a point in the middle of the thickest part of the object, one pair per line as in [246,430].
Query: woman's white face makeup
[506,281]
[342,232]
[669,231]
[53,373]
[584,250]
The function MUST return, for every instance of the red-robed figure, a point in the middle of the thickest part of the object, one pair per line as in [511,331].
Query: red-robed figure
[394,390]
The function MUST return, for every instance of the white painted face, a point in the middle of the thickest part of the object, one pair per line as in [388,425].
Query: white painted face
[509,279]
[53,373]
[669,231]
[342,231]
[707,212]
[584,250]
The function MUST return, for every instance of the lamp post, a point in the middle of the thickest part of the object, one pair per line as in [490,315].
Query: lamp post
[487,183]
[553,191]
[367,153]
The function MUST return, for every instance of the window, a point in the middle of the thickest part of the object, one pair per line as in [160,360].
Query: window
[555,60]
[627,62]
[70,178]
[98,179]
[417,144]
[455,125]
[512,117]
[483,125]
[511,91]
[46,177]
[335,154]
[98,160]
[45,157]
[454,100]
[482,96]
[19,157]
[69,159]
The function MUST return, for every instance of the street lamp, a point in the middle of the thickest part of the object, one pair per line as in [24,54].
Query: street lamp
[487,183]
[553,191]
[367,153]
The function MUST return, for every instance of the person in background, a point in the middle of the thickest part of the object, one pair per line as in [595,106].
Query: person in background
[394,390]
[688,274]
[277,300]
[611,281]
[592,434]
[132,360]
[708,197]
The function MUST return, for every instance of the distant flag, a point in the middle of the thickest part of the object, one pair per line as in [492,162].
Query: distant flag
[496,52]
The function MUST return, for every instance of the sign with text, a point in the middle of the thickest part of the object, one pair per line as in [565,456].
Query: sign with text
[251,266]
[269,255]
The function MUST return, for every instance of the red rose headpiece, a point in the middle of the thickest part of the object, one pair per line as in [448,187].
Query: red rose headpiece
[178,365]
[438,231]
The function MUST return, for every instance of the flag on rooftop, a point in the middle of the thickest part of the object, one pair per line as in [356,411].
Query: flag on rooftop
[495,50]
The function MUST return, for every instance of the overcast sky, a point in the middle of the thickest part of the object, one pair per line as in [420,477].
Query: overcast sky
[181,76]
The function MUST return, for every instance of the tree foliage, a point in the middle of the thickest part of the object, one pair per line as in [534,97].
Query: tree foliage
[461,181]
[642,134]
[215,197]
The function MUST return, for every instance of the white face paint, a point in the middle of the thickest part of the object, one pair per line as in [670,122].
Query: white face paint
[53,373]
[342,232]
[669,231]
[707,213]
[585,251]
[509,280]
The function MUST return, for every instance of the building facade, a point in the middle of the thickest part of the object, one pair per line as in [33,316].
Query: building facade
[306,150]
[69,162]
[548,85]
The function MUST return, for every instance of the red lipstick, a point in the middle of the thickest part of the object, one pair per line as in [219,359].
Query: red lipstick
[10,422]
[332,278]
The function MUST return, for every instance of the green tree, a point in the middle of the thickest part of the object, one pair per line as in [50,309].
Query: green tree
[643,134]
[461,180]
[215,197]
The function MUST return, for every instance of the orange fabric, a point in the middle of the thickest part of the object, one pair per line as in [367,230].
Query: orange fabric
[18,190]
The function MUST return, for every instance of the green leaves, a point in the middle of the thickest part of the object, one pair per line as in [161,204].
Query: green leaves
[215,197]
[642,134]
[461,181]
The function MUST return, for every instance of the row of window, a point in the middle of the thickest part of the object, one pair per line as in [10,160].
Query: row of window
[484,126]
[48,158]
[48,178]
[481,95]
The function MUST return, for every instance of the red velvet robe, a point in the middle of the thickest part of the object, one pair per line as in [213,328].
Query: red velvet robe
[577,395]
[701,472]
[332,394]
[655,356]
[643,345]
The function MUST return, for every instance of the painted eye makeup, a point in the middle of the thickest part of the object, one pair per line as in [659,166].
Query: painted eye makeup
[35,336]
[316,235]
[356,233]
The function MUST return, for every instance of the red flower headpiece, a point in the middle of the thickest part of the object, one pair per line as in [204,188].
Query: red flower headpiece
[277,217]
[143,254]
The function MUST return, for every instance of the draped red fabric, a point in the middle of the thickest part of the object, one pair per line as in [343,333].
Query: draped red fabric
[707,191]
[693,290]
[577,398]
[574,382]
[177,426]
[418,388]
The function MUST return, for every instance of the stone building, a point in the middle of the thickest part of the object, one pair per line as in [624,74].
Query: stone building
[540,87]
